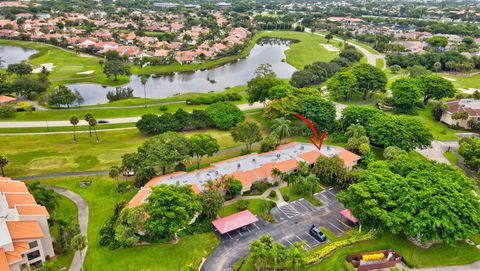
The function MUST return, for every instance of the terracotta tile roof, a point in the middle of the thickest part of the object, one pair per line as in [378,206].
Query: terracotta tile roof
[195,189]
[13,256]
[6,99]
[287,165]
[310,157]
[21,247]
[33,210]
[269,167]
[3,261]
[13,199]
[235,221]
[349,158]
[245,177]
[12,186]
[139,197]
[24,230]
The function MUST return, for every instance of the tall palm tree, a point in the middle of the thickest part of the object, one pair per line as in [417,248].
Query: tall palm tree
[74,121]
[3,163]
[92,122]
[87,118]
[296,255]
[79,243]
[144,79]
[282,127]
[114,172]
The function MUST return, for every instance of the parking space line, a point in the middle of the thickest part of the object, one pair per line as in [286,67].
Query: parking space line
[289,241]
[336,227]
[239,232]
[256,226]
[303,241]
[312,237]
[229,235]
[283,212]
[344,224]
[328,191]
[309,207]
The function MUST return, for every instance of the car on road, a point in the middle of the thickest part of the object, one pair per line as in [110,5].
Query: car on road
[317,234]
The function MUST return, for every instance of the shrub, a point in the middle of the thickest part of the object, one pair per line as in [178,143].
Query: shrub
[120,93]
[242,204]
[24,106]
[163,107]
[286,197]
[7,112]
[122,187]
[260,186]
[272,194]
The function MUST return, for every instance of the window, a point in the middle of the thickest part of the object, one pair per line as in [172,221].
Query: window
[33,255]
[33,244]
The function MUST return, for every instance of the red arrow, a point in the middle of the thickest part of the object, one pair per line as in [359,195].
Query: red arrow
[312,127]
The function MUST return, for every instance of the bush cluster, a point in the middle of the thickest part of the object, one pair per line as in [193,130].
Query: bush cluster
[211,99]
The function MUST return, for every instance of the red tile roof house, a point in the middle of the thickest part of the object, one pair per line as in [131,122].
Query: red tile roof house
[471,106]
[24,234]
[6,99]
[249,168]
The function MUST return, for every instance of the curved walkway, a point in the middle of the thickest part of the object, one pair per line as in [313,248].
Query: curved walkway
[82,207]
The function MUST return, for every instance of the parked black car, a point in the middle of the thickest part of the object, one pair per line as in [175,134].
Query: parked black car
[317,234]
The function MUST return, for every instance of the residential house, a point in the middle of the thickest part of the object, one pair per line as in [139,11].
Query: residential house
[471,106]
[249,168]
[25,240]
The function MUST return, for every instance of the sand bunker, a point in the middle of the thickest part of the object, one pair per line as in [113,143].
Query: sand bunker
[330,47]
[48,66]
[86,72]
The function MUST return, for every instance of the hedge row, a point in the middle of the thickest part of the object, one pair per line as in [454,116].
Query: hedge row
[211,99]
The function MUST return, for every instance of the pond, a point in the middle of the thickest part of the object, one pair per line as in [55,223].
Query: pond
[216,79]
[14,54]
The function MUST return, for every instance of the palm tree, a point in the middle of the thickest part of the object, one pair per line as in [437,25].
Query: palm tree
[92,122]
[114,172]
[282,127]
[355,130]
[87,118]
[312,182]
[74,121]
[3,163]
[296,255]
[144,79]
[79,243]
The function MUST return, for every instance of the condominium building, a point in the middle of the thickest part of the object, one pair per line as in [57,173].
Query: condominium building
[24,234]
[249,168]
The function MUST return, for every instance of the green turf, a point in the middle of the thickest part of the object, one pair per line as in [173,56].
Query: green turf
[439,130]
[101,198]
[464,81]
[437,255]
[295,196]
[42,154]
[253,205]
[69,129]
[450,157]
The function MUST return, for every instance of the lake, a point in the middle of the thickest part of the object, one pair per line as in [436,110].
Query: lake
[236,73]
[14,54]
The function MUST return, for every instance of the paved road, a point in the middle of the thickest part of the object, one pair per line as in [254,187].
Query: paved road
[63,123]
[295,219]
[436,151]
[82,207]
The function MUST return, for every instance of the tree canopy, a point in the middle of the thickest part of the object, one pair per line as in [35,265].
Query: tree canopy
[416,197]
[406,93]
[224,115]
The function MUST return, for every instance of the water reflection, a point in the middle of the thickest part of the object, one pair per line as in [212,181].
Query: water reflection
[14,54]
[217,79]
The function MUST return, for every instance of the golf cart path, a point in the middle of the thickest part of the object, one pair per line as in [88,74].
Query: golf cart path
[82,208]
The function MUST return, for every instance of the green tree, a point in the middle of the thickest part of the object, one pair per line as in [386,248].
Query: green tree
[369,79]
[332,171]
[355,130]
[470,151]
[395,69]
[170,208]
[342,85]
[62,95]
[130,224]
[416,71]
[165,150]
[269,143]
[438,109]
[259,88]
[224,115]
[44,196]
[87,118]
[115,68]
[203,144]
[328,36]
[404,132]
[406,93]
[438,42]
[296,255]
[436,87]
[74,121]
[415,197]
[247,132]
[79,243]
[319,111]
[211,201]
[282,128]
[3,163]
[20,69]
[114,173]
[393,152]
[92,122]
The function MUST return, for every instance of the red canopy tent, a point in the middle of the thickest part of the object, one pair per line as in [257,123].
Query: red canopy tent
[235,221]
[348,215]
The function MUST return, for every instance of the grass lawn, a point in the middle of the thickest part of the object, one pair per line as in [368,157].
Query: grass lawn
[67,64]
[464,81]
[437,255]
[66,210]
[101,198]
[256,206]
[101,126]
[41,154]
[450,157]
[439,130]
[295,196]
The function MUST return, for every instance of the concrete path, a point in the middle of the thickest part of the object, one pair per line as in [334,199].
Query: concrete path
[82,207]
[64,123]
[438,148]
